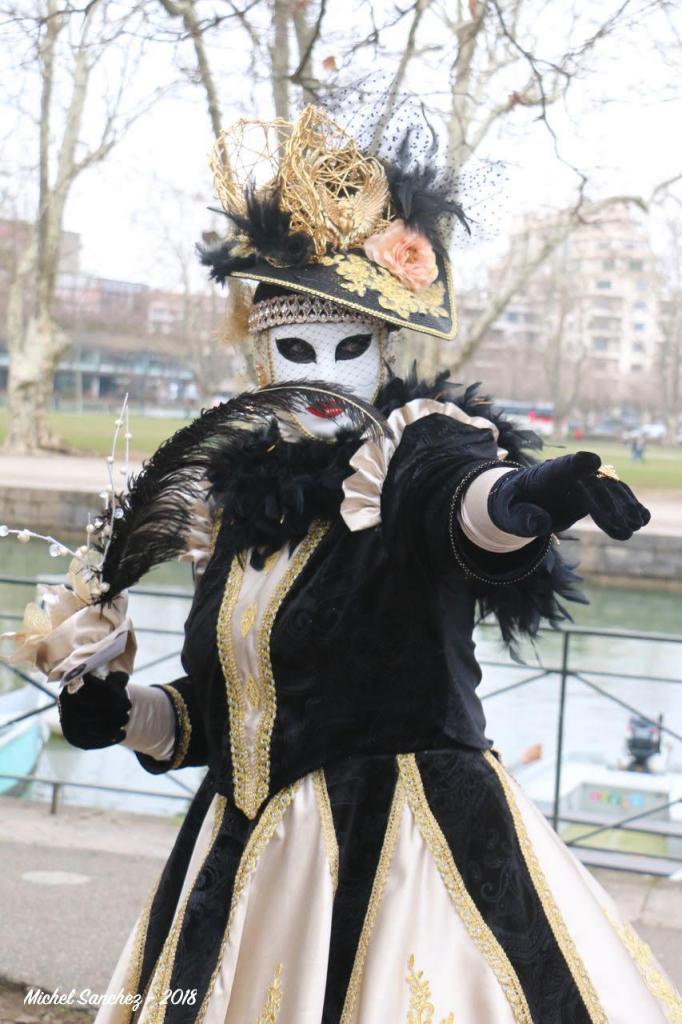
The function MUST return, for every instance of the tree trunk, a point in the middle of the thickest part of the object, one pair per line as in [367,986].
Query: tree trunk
[279,57]
[33,358]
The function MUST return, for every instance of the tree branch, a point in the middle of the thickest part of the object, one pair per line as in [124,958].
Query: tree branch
[307,38]
[420,8]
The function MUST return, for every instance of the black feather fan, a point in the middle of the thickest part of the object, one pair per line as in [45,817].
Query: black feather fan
[157,508]
[419,197]
[266,229]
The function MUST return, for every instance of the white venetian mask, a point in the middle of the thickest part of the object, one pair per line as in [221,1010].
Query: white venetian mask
[347,354]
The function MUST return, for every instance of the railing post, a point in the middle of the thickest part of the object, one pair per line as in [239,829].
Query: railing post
[56,793]
[560,729]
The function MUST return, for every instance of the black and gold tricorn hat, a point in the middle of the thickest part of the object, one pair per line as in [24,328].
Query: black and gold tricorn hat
[312,213]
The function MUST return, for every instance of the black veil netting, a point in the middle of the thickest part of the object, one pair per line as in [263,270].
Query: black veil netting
[456,205]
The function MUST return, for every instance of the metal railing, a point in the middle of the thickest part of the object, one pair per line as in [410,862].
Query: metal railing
[561,671]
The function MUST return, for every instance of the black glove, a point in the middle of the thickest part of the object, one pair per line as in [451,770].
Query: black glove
[551,496]
[95,716]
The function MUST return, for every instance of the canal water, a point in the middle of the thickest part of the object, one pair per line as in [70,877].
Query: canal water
[595,726]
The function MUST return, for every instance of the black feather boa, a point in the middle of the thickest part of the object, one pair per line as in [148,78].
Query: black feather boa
[270,490]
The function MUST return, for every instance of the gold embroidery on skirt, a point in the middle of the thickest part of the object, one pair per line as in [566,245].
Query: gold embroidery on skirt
[421,1008]
[263,832]
[660,987]
[385,858]
[552,912]
[331,844]
[137,954]
[163,971]
[466,909]
[273,1000]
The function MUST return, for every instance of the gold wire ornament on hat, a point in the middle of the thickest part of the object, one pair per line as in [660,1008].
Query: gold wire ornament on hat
[247,154]
[333,193]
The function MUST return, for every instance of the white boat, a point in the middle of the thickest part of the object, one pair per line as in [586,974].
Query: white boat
[21,742]
[596,800]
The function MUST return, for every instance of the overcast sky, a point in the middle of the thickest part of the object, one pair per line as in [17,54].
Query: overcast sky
[620,123]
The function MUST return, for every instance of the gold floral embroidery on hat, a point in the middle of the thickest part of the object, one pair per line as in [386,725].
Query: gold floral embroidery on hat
[359,275]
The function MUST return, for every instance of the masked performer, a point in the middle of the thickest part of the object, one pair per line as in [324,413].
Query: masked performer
[356,853]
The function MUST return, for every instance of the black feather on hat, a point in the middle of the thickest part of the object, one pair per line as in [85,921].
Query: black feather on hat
[419,197]
[264,233]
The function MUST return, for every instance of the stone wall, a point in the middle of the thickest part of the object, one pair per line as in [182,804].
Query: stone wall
[655,556]
[47,510]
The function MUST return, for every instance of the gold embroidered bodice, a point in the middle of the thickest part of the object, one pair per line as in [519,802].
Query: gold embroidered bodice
[249,607]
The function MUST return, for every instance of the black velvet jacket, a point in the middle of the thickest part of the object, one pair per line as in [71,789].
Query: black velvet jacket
[372,648]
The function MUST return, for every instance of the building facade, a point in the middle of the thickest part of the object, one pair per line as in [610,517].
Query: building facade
[586,329]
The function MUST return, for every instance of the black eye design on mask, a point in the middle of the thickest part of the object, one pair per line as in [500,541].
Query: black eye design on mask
[296,350]
[352,347]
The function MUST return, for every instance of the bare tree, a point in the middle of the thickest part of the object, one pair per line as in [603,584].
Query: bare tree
[66,43]
[670,322]
[476,64]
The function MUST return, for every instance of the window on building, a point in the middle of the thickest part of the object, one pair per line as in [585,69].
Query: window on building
[637,346]
[604,284]
[636,368]
[512,317]
[639,327]
[604,322]
[608,264]
[636,264]
[600,344]
[640,304]
[641,284]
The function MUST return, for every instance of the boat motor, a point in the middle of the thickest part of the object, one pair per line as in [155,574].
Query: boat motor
[643,741]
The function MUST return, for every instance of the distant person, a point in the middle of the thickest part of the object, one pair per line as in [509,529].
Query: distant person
[637,448]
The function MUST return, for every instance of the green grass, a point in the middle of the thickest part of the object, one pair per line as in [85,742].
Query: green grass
[91,434]
[661,469]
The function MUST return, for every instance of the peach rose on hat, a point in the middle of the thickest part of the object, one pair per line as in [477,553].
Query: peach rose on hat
[406,253]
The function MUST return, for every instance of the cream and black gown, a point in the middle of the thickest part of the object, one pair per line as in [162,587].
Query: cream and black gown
[357,853]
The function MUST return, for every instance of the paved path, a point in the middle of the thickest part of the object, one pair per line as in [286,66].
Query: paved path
[56,472]
[72,885]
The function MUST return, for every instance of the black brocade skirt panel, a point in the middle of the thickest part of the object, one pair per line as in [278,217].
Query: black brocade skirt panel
[418,888]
